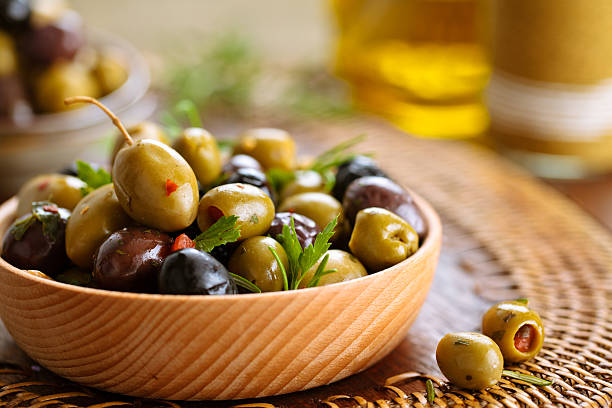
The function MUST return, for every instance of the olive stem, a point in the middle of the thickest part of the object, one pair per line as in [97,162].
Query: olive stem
[111,115]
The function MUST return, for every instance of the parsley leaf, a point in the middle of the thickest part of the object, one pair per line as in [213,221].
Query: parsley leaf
[279,178]
[336,155]
[92,177]
[20,228]
[320,272]
[221,232]
[48,215]
[245,283]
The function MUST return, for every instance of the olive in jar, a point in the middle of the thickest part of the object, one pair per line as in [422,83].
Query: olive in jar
[110,70]
[143,130]
[130,259]
[200,149]
[193,272]
[60,189]
[37,240]
[254,261]
[359,166]
[96,216]
[253,207]
[61,80]
[470,360]
[346,266]
[272,148]
[381,239]
[305,228]
[517,330]
[381,192]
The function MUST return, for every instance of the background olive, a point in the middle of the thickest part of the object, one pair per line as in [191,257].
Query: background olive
[61,80]
[29,245]
[193,272]
[110,70]
[250,204]
[306,181]
[359,166]
[319,207]
[253,261]
[241,161]
[13,102]
[347,268]
[96,216]
[63,190]
[272,148]
[76,276]
[155,185]
[305,228]
[143,130]
[253,177]
[129,260]
[8,57]
[14,14]
[470,360]
[517,330]
[200,149]
[381,192]
[381,239]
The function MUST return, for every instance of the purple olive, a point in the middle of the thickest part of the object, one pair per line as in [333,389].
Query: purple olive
[305,228]
[366,192]
[129,260]
[359,166]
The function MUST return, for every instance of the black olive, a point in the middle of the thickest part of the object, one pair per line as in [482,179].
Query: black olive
[359,166]
[222,253]
[305,228]
[253,177]
[37,240]
[241,161]
[129,260]
[193,272]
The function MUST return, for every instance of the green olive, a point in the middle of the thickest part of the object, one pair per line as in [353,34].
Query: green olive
[273,148]
[62,80]
[155,185]
[96,216]
[346,265]
[470,360]
[517,330]
[143,130]
[63,190]
[306,181]
[254,261]
[381,239]
[200,149]
[319,207]
[110,70]
[253,207]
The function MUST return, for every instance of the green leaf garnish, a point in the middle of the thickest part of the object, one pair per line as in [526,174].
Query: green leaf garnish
[221,232]
[48,215]
[190,110]
[171,125]
[526,378]
[282,268]
[330,180]
[226,145]
[92,177]
[20,228]
[279,178]
[461,342]
[245,283]
[336,155]
[302,259]
[320,272]
[524,301]
[431,393]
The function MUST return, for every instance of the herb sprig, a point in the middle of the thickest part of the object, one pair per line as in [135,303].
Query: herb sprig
[223,231]
[336,155]
[431,393]
[48,215]
[94,178]
[302,259]
[245,283]
[526,378]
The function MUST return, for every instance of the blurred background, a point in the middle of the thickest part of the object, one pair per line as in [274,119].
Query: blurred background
[531,79]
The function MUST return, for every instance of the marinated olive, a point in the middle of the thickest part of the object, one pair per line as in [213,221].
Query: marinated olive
[251,205]
[359,166]
[319,207]
[8,58]
[200,149]
[76,276]
[381,239]
[59,39]
[110,70]
[346,265]
[143,130]
[307,181]
[130,259]
[254,261]
[272,148]
[253,177]
[470,360]
[223,253]
[241,161]
[36,240]
[63,190]
[517,330]
[96,216]
[193,272]
[305,228]
[381,192]
[61,80]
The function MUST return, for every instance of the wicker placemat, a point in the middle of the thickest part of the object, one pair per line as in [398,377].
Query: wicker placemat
[506,235]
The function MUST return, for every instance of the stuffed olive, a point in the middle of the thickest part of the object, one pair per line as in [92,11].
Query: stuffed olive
[65,191]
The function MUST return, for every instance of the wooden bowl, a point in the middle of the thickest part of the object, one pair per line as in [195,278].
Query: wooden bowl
[215,347]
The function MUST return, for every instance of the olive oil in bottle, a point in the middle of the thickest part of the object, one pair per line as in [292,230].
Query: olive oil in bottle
[420,63]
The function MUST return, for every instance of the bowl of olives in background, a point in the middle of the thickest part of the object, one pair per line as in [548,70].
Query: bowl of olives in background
[46,55]
[186,274]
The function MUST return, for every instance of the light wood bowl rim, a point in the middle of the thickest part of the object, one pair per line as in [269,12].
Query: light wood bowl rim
[427,248]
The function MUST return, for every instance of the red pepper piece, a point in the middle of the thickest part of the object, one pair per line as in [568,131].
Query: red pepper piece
[171,187]
[524,337]
[50,208]
[182,242]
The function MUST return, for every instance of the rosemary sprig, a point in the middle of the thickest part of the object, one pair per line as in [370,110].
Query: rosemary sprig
[336,155]
[245,283]
[431,393]
[526,378]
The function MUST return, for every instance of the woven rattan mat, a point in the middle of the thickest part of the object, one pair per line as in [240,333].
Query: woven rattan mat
[506,235]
